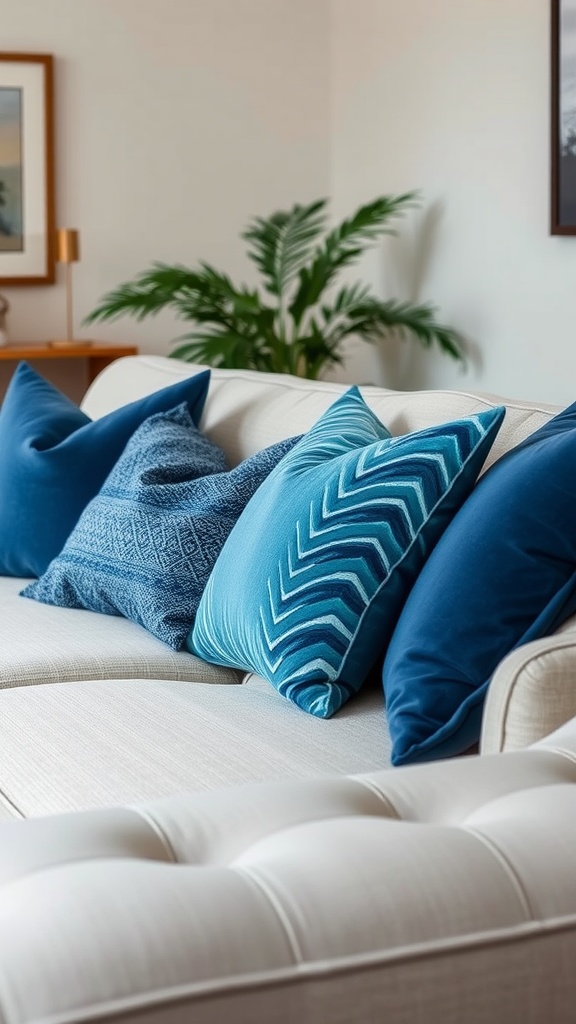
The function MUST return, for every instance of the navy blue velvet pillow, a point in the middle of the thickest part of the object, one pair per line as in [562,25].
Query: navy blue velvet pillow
[54,459]
[503,573]
[146,544]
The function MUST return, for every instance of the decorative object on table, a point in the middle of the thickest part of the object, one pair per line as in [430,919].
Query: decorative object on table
[4,307]
[68,252]
[563,119]
[303,328]
[27,169]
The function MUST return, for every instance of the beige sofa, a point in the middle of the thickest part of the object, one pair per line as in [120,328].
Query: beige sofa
[321,886]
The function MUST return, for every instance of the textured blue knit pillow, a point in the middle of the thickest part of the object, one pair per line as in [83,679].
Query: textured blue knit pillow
[311,581]
[54,459]
[503,573]
[146,544]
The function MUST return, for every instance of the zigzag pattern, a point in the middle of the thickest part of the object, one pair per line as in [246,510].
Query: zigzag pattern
[362,527]
[357,531]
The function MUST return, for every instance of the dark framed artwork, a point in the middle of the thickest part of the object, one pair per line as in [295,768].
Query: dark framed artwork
[27,230]
[563,117]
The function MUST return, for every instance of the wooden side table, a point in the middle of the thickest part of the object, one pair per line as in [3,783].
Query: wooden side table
[97,354]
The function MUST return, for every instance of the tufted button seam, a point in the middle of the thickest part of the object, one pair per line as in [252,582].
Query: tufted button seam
[503,860]
[252,873]
[390,810]
[158,831]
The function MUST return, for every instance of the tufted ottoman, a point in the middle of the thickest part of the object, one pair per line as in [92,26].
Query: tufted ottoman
[441,894]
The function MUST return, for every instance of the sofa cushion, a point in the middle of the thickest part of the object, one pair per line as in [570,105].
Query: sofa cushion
[329,548]
[146,544]
[45,644]
[248,410]
[54,459]
[503,574]
[103,742]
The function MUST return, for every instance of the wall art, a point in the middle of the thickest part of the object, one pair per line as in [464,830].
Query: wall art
[27,232]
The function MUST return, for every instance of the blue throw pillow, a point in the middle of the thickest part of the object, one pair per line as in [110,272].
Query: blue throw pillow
[54,459]
[311,581]
[503,573]
[146,544]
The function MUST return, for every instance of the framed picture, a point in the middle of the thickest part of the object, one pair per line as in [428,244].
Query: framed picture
[563,119]
[27,232]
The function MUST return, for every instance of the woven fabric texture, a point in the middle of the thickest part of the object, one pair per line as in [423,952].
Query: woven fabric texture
[146,544]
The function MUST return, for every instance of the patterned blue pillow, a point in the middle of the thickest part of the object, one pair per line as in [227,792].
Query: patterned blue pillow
[312,578]
[146,544]
[54,459]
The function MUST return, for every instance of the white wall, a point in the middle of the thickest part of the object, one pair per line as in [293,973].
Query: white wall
[452,96]
[176,122]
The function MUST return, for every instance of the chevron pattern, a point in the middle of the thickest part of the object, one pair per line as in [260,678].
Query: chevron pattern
[348,528]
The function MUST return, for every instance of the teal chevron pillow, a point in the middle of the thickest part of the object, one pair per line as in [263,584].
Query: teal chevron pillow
[312,578]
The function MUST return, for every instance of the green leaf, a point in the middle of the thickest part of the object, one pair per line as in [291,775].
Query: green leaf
[344,244]
[281,244]
[224,348]
[373,319]
[299,330]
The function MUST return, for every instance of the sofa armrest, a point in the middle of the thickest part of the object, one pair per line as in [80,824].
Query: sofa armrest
[532,692]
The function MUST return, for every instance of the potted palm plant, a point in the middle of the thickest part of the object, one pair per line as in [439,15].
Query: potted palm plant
[298,322]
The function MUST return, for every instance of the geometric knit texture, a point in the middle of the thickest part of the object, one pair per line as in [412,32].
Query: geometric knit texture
[345,523]
[54,459]
[503,575]
[146,544]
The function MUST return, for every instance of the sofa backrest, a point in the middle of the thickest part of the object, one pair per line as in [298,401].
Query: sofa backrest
[247,411]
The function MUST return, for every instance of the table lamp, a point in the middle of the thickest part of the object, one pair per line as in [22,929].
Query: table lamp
[68,252]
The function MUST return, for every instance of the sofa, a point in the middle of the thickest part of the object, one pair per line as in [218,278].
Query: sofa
[179,842]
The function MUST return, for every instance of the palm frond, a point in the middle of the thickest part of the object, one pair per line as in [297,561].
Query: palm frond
[299,331]
[191,293]
[282,243]
[315,351]
[344,244]
[150,291]
[345,300]
[221,347]
[374,319]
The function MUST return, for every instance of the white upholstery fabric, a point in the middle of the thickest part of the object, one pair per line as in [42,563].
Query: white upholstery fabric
[532,692]
[42,644]
[438,894]
[247,411]
[73,746]
[441,894]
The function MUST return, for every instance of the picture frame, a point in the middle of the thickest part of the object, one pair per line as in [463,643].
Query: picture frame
[27,224]
[563,117]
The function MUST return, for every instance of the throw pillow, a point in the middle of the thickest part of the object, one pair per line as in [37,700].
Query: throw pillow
[146,544]
[54,459]
[503,573]
[310,582]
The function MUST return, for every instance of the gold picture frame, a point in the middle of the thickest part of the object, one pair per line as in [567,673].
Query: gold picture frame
[27,224]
